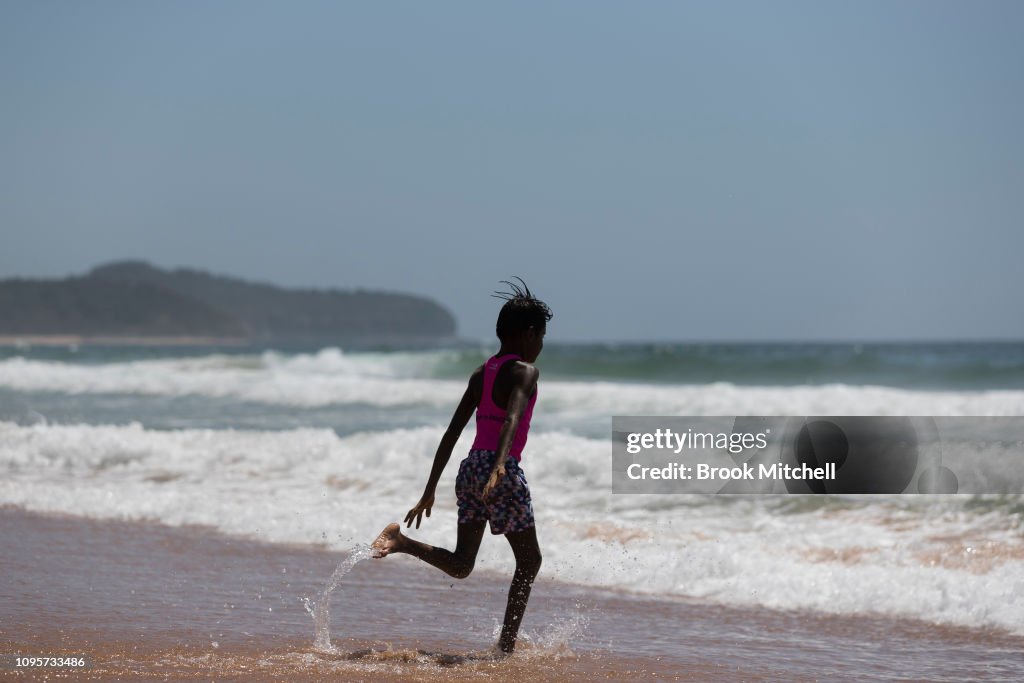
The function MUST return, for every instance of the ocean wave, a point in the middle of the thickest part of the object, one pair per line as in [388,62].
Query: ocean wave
[328,377]
[331,377]
[952,559]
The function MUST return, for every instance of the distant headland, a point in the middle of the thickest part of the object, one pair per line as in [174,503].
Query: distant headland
[133,302]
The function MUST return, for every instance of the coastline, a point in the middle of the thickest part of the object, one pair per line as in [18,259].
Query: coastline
[145,600]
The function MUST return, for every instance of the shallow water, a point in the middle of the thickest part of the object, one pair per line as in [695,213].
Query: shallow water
[145,600]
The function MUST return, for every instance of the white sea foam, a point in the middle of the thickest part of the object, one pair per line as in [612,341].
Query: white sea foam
[934,559]
[331,377]
[325,378]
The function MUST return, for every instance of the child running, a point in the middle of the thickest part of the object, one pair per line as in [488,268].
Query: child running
[490,486]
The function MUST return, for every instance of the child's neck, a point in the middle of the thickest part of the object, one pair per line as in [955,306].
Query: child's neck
[507,349]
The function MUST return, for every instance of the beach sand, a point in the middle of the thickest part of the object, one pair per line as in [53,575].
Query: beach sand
[145,601]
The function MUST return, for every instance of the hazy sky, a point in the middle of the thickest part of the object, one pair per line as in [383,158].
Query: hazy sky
[654,170]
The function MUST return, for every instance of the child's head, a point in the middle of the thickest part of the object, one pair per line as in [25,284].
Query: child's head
[523,319]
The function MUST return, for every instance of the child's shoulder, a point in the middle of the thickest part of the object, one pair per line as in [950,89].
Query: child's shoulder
[524,371]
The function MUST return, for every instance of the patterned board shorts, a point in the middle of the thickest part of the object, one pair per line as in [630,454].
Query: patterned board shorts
[509,507]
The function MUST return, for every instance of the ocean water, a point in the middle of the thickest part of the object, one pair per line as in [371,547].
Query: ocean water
[328,445]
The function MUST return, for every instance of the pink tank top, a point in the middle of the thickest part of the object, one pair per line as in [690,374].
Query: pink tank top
[489,417]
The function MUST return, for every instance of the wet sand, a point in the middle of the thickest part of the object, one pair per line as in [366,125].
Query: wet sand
[145,601]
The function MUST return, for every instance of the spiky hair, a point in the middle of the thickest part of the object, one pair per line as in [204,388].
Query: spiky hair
[522,310]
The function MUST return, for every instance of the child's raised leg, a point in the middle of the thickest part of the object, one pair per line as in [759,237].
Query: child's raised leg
[527,552]
[457,564]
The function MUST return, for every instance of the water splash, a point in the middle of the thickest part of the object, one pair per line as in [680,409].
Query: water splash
[554,641]
[320,610]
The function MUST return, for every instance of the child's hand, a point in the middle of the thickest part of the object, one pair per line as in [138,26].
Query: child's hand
[496,476]
[426,502]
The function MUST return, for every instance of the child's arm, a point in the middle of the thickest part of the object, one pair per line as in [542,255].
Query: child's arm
[463,412]
[524,383]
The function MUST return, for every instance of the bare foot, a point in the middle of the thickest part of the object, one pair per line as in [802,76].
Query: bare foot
[388,541]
